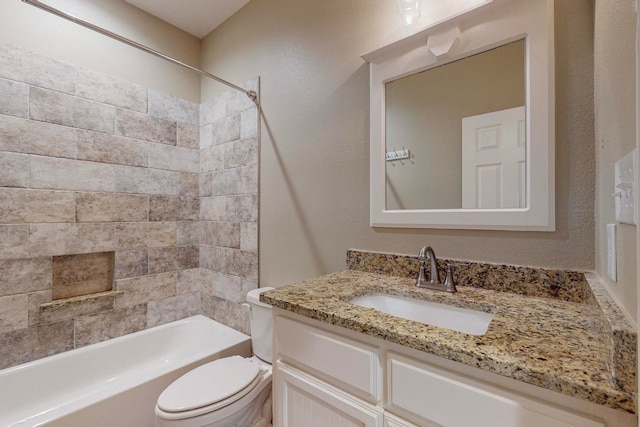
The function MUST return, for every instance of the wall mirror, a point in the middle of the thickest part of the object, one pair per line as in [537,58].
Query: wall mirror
[462,116]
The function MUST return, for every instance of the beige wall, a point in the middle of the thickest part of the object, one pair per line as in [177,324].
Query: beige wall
[615,127]
[31,28]
[314,200]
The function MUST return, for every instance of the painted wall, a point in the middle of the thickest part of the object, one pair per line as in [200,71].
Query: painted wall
[615,127]
[29,27]
[314,189]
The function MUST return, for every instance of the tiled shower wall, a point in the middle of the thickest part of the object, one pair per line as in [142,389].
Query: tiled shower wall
[89,164]
[229,206]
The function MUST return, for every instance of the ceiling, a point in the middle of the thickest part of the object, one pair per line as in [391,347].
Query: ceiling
[196,17]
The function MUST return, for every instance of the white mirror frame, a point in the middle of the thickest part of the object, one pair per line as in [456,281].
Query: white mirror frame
[490,24]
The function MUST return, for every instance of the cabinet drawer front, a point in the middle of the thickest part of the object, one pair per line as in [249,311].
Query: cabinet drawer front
[345,363]
[437,396]
[302,400]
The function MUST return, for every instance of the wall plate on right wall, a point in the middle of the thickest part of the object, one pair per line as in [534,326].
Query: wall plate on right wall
[625,189]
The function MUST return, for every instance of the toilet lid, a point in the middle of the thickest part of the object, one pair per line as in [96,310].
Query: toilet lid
[209,384]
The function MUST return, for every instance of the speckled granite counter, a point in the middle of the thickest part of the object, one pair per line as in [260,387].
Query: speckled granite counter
[547,342]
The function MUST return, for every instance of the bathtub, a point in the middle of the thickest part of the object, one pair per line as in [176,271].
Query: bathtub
[114,383]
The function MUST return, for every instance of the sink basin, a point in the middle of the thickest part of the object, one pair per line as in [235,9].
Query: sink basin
[445,316]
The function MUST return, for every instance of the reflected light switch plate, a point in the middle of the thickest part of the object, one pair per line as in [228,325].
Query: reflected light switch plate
[611,252]
[625,189]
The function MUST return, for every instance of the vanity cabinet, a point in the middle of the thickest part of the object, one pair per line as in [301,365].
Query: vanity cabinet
[329,376]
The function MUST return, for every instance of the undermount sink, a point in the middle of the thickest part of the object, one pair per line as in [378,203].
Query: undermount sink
[445,316]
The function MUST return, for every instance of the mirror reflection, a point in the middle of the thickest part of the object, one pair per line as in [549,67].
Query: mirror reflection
[463,125]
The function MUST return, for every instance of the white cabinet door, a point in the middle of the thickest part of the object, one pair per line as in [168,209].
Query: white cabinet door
[303,400]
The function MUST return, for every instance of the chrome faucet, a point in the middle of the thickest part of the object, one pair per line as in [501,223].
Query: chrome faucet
[434,277]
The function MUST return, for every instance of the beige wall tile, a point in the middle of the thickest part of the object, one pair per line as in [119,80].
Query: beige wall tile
[249,236]
[213,258]
[31,137]
[130,264]
[188,136]
[249,179]
[172,158]
[212,159]
[188,233]
[143,235]
[226,234]
[35,300]
[33,343]
[103,148]
[55,107]
[249,123]
[226,130]
[13,313]
[226,312]
[242,208]
[14,241]
[140,290]
[62,239]
[110,90]
[213,110]
[107,207]
[189,281]
[189,184]
[232,288]
[214,208]
[172,108]
[243,264]
[146,181]
[14,169]
[173,258]
[167,208]
[241,153]
[14,98]
[29,206]
[171,309]
[206,136]
[98,327]
[65,174]
[237,102]
[24,66]
[227,182]
[20,276]
[206,184]
[141,126]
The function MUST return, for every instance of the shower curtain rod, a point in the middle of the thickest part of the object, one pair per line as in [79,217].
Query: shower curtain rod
[250,93]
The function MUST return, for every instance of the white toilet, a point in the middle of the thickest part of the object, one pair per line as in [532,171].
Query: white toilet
[230,392]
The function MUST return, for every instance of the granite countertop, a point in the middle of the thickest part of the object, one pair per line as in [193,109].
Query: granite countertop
[547,342]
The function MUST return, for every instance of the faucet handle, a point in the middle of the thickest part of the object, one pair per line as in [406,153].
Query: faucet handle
[450,281]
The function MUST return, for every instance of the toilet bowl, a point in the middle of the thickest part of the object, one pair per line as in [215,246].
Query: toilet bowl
[230,392]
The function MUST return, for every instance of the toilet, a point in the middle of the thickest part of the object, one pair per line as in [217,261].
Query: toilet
[230,392]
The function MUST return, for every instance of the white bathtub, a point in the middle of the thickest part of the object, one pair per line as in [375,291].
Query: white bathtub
[114,383]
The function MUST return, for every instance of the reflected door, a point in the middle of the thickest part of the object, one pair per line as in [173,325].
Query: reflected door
[494,160]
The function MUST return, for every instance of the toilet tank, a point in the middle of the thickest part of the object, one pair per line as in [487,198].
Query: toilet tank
[261,324]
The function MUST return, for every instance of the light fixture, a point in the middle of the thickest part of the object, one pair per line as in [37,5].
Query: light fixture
[410,10]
